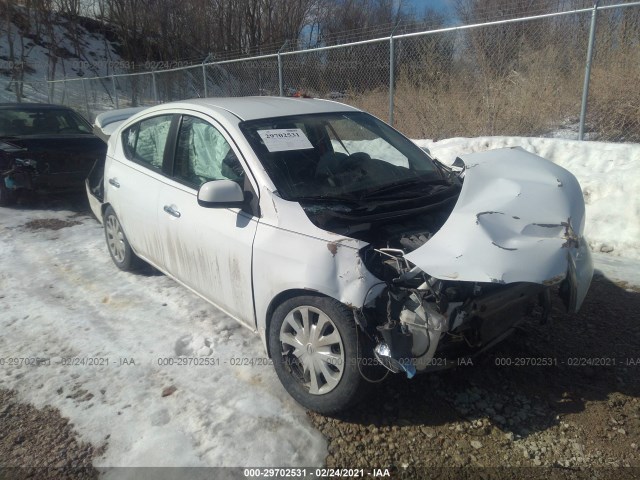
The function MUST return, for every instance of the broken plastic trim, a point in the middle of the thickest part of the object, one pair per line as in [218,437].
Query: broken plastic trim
[383,354]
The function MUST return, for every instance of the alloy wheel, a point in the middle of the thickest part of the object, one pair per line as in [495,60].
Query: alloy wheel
[313,348]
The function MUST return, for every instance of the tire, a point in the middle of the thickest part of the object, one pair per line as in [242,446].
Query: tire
[117,243]
[7,197]
[321,373]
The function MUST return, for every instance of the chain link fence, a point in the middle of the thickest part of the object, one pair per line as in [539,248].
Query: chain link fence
[520,78]
[613,111]
[531,76]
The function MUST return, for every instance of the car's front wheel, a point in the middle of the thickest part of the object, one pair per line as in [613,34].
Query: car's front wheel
[314,347]
[119,248]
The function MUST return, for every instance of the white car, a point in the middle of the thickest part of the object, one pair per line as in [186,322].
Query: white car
[337,239]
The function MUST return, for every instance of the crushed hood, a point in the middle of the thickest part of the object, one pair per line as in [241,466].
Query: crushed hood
[519,218]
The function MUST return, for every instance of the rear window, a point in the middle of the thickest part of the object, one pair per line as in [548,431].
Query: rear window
[20,121]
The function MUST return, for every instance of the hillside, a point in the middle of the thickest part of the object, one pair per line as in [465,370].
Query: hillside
[36,46]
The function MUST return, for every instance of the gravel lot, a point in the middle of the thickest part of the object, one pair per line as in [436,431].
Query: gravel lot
[581,419]
[580,415]
[40,444]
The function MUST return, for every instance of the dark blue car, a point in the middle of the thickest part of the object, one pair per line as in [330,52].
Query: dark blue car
[44,148]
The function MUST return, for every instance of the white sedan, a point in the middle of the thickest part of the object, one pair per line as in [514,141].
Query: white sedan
[341,243]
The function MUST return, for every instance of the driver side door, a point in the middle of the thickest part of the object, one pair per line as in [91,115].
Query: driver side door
[207,249]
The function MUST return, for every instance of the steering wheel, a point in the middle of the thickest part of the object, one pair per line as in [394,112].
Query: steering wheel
[350,163]
[332,167]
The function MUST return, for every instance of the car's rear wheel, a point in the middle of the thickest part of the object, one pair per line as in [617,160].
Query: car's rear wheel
[314,347]
[119,248]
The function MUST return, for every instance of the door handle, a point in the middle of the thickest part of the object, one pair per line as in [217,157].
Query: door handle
[172,211]
[114,182]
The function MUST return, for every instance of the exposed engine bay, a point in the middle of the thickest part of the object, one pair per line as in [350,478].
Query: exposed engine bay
[423,323]
[497,257]
[420,322]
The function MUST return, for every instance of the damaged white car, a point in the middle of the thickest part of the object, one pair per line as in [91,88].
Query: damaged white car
[336,238]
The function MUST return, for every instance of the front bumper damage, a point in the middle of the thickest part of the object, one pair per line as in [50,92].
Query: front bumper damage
[15,172]
[437,323]
[47,164]
[513,239]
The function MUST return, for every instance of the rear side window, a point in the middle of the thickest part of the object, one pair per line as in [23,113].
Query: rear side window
[145,141]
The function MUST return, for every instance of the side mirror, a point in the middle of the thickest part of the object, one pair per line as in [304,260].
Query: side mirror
[458,163]
[221,194]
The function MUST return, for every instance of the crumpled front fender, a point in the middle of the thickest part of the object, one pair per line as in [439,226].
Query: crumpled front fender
[519,218]
[579,275]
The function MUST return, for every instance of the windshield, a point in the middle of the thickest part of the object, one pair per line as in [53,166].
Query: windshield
[47,121]
[341,156]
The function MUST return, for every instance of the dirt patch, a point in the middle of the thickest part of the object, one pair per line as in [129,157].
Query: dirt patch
[50,224]
[574,415]
[40,443]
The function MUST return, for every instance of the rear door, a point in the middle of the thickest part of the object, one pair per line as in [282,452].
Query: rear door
[207,249]
[133,182]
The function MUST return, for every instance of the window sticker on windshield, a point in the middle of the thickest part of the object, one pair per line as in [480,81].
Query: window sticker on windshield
[284,139]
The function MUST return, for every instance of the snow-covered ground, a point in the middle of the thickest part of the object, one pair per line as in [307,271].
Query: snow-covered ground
[61,297]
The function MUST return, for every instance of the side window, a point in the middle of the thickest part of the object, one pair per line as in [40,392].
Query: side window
[144,142]
[203,154]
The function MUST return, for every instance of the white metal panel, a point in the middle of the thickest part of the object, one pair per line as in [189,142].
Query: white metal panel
[208,249]
[132,191]
[291,253]
[513,222]
[94,203]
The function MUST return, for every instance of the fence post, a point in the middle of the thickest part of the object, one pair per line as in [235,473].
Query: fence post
[86,99]
[204,80]
[46,79]
[280,67]
[392,75]
[587,73]
[155,88]
[204,75]
[280,84]
[115,90]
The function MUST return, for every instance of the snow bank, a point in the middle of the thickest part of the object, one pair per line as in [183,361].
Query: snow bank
[607,172]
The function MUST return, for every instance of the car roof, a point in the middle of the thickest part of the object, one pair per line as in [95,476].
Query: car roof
[32,106]
[252,108]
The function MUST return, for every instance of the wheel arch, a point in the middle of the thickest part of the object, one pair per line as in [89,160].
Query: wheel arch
[282,297]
